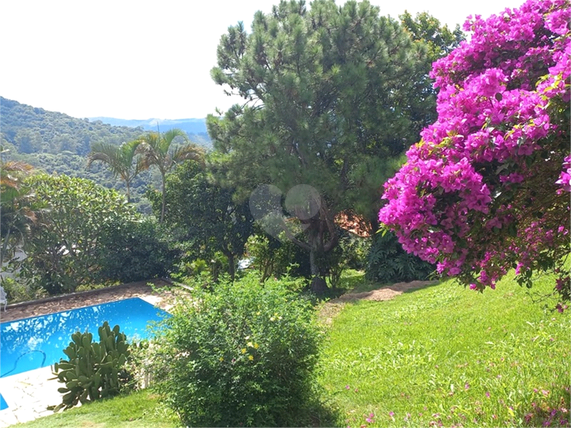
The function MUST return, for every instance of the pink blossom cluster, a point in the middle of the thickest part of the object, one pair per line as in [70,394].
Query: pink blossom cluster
[478,194]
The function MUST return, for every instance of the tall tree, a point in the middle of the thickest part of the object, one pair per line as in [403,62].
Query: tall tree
[121,160]
[160,150]
[331,101]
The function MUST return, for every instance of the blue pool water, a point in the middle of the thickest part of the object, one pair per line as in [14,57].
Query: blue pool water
[32,343]
[3,404]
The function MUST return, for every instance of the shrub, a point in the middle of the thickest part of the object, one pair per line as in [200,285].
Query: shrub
[388,262]
[242,355]
[63,246]
[135,250]
[277,257]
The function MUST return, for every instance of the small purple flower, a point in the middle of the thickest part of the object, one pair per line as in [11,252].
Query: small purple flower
[487,394]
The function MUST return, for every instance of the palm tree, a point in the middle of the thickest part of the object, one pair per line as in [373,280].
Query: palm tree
[119,159]
[158,149]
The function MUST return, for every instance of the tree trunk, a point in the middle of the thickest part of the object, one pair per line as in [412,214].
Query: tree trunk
[318,284]
[128,186]
[164,201]
[231,267]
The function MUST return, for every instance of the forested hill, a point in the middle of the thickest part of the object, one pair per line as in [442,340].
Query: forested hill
[29,129]
[58,143]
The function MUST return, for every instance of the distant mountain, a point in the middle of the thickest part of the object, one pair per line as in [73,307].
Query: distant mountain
[26,129]
[190,126]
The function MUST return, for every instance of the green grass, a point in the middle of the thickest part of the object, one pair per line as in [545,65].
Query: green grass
[138,410]
[446,355]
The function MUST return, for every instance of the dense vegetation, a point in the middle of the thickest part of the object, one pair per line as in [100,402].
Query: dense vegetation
[333,97]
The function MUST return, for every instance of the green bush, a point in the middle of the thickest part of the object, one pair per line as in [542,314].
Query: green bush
[135,250]
[274,257]
[387,262]
[242,355]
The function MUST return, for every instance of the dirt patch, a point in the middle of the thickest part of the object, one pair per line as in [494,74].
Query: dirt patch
[385,293]
[87,298]
[334,306]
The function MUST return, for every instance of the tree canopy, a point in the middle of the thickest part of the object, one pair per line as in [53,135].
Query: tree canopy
[203,213]
[333,95]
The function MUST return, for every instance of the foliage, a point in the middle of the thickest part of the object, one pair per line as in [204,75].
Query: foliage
[483,191]
[121,160]
[332,99]
[274,258]
[92,370]
[444,356]
[64,247]
[135,250]
[161,151]
[72,165]
[203,213]
[18,291]
[387,262]
[242,355]
[16,213]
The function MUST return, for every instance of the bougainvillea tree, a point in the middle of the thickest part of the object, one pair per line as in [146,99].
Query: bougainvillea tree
[487,187]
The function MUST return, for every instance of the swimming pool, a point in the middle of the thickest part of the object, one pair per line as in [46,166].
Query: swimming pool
[32,343]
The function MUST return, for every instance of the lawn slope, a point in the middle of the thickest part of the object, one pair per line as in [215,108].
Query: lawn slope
[448,356]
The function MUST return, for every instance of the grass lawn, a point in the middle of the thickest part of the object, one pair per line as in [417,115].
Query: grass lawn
[138,410]
[448,356]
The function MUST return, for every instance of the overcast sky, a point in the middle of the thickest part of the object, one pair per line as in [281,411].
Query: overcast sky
[142,59]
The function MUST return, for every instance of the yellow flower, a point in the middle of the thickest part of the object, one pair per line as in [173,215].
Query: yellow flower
[250,344]
[250,357]
[243,350]
[256,345]
[221,358]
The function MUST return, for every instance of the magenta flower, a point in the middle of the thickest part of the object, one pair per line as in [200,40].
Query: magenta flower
[460,200]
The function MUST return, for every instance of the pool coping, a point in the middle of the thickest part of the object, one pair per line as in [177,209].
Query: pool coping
[102,290]
[80,299]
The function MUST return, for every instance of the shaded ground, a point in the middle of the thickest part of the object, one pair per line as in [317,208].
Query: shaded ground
[86,298]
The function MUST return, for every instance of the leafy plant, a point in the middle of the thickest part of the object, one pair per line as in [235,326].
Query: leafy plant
[93,370]
[388,262]
[135,251]
[64,244]
[242,355]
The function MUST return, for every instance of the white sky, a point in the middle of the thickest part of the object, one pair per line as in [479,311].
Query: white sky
[143,59]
